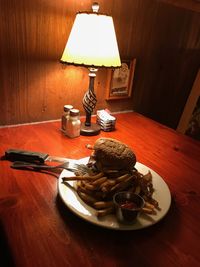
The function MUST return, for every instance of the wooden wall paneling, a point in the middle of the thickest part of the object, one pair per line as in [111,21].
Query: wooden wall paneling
[168,69]
[193,5]
[34,86]
[141,49]
[28,44]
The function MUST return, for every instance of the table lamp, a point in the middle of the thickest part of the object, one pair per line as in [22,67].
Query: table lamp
[92,43]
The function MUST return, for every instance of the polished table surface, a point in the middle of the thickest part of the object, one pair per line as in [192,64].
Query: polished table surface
[37,229]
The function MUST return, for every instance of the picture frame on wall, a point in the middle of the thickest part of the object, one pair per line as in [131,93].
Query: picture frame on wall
[120,80]
[189,123]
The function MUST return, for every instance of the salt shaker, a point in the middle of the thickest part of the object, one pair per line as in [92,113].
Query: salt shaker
[65,117]
[73,124]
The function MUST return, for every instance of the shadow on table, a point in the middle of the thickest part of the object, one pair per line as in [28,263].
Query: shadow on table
[6,259]
[124,246]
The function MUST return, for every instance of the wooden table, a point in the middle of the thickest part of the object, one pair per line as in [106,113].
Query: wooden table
[37,229]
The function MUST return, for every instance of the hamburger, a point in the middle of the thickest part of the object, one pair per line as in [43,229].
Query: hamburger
[110,154]
[112,170]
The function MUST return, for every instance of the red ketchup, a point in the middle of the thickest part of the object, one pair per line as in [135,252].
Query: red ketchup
[129,205]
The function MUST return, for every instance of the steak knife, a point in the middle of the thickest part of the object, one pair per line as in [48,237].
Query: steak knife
[31,156]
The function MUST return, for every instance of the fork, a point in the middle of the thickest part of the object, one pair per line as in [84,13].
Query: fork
[70,166]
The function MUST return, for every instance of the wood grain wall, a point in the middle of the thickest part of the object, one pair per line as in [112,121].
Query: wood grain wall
[34,86]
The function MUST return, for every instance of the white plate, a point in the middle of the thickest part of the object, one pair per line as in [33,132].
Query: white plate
[71,199]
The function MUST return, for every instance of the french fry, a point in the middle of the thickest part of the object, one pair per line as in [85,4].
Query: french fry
[137,190]
[122,177]
[152,201]
[99,181]
[105,186]
[104,189]
[149,205]
[97,190]
[148,176]
[103,204]
[149,211]
[104,212]
[90,186]
[83,177]
[122,185]
[87,198]
[85,190]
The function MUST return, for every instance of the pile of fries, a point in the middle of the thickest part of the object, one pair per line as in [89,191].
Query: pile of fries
[97,189]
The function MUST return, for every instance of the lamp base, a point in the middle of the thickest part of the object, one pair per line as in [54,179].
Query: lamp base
[93,129]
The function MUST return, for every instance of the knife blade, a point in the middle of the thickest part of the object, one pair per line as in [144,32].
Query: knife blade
[13,154]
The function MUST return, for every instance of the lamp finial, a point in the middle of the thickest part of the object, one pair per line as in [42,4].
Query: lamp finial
[95,7]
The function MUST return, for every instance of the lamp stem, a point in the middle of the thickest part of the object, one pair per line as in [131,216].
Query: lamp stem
[90,100]
[89,103]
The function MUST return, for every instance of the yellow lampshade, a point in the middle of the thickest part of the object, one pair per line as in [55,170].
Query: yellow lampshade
[92,42]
